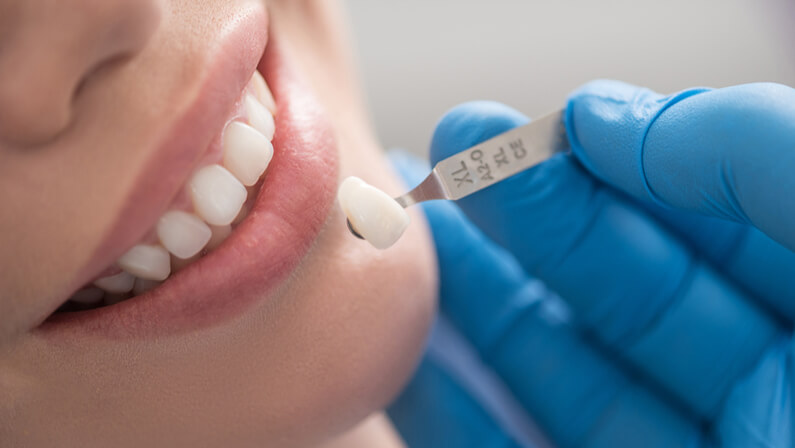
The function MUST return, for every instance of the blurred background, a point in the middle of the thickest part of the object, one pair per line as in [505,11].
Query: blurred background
[418,58]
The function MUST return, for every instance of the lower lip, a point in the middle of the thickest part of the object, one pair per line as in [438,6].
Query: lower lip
[288,213]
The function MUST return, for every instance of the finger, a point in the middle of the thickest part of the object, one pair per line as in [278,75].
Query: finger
[434,410]
[753,260]
[634,285]
[725,152]
[759,412]
[577,395]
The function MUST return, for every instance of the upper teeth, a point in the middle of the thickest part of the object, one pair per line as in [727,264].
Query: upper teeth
[247,152]
[146,261]
[183,234]
[121,282]
[218,194]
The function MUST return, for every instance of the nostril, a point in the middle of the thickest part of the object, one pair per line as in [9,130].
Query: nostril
[33,112]
[53,54]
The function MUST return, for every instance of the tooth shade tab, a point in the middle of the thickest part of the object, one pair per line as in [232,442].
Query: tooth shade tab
[377,217]
[259,117]
[117,284]
[217,195]
[247,152]
[263,92]
[147,261]
[183,234]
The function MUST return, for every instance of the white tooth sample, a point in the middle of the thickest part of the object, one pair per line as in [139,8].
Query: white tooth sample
[88,296]
[146,261]
[263,92]
[217,195]
[117,284]
[183,234]
[219,235]
[142,286]
[259,117]
[247,153]
[374,214]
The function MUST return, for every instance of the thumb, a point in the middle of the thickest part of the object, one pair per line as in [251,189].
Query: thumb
[728,153]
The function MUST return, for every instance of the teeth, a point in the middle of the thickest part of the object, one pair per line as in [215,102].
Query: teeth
[219,235]
[142,286]
[259,117]
[247,152]
[263,92]
[88,296]
[117,284]
[374,214]
[217,195]
[147,262]
[183,234]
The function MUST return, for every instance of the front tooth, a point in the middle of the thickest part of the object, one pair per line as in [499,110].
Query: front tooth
[247,152]
[217,195]
[117,284]
[183,234]
[147,262]
[263,92]
[259,117]
[87,296]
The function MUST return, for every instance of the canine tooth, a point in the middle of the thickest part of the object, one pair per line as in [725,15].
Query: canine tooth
[88,296]
[263,92]
[259,117]
[219,235]
[147,262]
[374,214]
[117,284]
[183,234]
[142,286]
[247,152]
[217,195]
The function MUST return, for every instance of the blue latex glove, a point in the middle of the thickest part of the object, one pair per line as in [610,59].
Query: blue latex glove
[669,233]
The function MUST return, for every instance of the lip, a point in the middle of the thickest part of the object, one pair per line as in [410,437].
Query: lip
[287,214]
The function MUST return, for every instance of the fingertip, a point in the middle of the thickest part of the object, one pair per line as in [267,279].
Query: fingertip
[607,123]
[471,123]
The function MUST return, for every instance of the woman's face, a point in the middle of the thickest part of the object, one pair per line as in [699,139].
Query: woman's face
[287,332]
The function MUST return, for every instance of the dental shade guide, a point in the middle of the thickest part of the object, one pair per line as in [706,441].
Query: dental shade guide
[455,177]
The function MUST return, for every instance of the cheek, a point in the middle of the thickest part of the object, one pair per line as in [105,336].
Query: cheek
[359,319]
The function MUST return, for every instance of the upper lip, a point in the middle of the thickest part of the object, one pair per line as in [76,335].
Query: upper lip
[287,215]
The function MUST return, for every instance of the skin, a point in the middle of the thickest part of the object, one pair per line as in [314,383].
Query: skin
[332,346]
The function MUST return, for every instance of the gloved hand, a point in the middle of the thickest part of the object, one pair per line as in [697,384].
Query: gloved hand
[669,233]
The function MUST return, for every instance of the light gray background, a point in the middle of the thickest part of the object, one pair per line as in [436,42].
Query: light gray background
[420,57]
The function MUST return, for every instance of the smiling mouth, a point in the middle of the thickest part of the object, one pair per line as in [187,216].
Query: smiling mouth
[216,198]
[248,211]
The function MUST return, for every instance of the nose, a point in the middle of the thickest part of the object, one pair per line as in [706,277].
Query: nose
[48,52]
